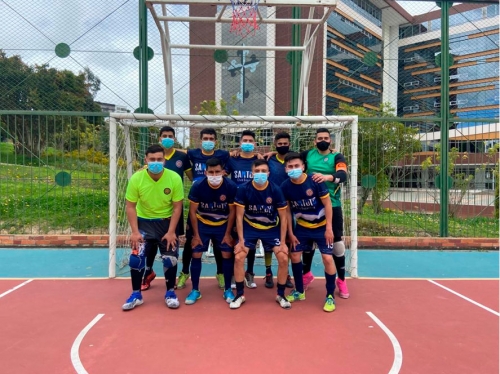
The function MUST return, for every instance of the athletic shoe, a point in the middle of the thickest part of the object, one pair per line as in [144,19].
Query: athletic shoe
[181,282]
[296,296]
[307,279]
[171,300]
[134,300]
[146,282]
[233,283]
[228,296]
[269,280]
[342,286]
[237,301]
[193,296]
[289,283]
[329,304]
[249,280]
[284,303]
[220,280]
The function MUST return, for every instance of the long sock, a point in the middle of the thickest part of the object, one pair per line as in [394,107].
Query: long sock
[195,272]
[297,276]
[136,276]
[150,260]
[340,265]
[330,284]
[268,258]
[239,289]
[307,259]
[170,277]
[228,268]
[187,254]
[250,261]
[281,289]
[218,261]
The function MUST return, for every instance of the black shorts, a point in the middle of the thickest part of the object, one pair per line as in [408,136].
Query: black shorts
[153,230]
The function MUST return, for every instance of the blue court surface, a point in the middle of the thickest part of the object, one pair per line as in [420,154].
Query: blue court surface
[93,263]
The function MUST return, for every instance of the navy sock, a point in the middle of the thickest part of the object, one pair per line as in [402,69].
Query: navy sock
[340,265]
[136,276]
[281,289]
[307,259]
[239,289]
[330,284]
[218,260]
[227,268]
[170,277]
[187,254]
[250,261]
[297,276]
[269,270]
[195,272]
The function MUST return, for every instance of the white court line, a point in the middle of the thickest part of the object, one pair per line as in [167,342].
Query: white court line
[15,288]
[398,353]
[465,298]
[75,356]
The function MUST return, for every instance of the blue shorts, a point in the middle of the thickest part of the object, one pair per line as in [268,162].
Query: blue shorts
[269,238]
[211,233]
[307,238]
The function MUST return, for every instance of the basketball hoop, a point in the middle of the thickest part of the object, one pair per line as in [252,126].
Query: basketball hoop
[244,16]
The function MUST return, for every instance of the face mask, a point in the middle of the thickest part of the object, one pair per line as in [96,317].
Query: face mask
[260,178]
[283,150]
[214,180]
[167,142]
[295,173]
[247,147]
[207,145]
[155,167]
[323,146]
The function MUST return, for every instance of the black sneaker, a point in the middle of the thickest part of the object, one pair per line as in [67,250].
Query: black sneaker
[289,283]
[269,280]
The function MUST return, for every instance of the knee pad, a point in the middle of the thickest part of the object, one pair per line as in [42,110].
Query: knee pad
[168,261]
[137,262]
[338,249]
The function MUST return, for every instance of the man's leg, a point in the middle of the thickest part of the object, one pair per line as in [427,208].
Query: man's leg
[307,259]
[268,258]
[195,293]
[169,257]
[239,276]
[339,251]
[137,263]
[298,293]
[249,274]
[282,258]
[330,274]
[187,254]
[228,270]
[149,274]
[220,269]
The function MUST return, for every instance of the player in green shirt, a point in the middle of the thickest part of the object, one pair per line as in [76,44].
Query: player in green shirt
[153,205]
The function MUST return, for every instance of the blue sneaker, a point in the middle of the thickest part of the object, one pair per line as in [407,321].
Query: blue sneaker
[134,300]
[171,299]
[192,297]
[228,296]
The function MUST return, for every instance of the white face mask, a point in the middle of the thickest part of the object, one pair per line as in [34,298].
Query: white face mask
[214,180]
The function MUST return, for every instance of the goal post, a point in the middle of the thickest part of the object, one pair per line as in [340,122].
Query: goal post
[125,158]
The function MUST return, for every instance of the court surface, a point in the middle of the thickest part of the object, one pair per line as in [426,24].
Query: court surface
[68,325]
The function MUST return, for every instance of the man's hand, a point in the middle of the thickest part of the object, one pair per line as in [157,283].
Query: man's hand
[196,241]
[329,236]
[268,155]
[135,239]
[234,153]
[293,241]
[319,178]
[240,247]
[228,239]
[171,240]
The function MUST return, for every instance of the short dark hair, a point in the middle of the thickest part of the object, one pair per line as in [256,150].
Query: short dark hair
[260,162]
[281,135]
[167,129]
[208,131]
[292,156]
[155,148]
[214,161]
[248,133]
[322,129]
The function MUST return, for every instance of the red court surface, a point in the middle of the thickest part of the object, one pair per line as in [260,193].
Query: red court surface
[432,329]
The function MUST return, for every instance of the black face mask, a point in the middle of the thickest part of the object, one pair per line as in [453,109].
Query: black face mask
[283,150]
[323,146]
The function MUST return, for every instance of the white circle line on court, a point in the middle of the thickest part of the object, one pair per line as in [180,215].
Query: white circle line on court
[15,288]
[466,298]
[75,348]
[398,353]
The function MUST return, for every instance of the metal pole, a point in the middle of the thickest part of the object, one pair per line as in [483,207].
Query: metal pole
[445,115]
[143,70]
[112,198]
[294,105]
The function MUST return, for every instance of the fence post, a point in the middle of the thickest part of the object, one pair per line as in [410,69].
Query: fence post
[112,197]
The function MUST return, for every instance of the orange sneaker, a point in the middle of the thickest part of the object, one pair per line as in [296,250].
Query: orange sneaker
[146,282]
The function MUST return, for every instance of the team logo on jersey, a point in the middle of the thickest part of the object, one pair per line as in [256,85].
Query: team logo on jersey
[325,159]
[167,191]
[222,197]
[309,192]
[269,200]
[178,163]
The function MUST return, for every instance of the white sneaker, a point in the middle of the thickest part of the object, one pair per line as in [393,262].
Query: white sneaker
[171,300]
[284,303]
[237,301]
[134,300]
[249,282]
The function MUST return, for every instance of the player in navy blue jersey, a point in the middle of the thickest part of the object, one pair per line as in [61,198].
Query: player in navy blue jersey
[179,162]
[309,203]
[212,214]
[260,215]
[199,158]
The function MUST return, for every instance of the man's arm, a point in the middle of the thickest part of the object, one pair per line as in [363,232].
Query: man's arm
[136,236]
[189,174]
[230,219]
[282,212]
[327,203]
[240,212]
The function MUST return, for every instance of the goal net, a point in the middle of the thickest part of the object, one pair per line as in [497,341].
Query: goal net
[130,134]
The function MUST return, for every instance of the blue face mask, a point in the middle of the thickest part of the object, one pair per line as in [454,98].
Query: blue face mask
[155,167]
[260,178]
[295,173]
[247,147]
[167,143]
[207,145]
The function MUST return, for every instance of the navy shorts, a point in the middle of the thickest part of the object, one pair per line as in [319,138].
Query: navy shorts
[153,230]
[269,238]
[307,238]
[212,233]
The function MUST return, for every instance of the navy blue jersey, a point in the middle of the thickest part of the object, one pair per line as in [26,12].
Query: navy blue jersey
[213,203]
[240,169]
[261,206]
[199,161]
[305,201]
[277,173]
[178,162]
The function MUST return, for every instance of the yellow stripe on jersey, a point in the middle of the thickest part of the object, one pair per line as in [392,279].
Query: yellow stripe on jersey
[239,205]
[210,223]
[327,195]
[258,226]
[310,225]
[283,207]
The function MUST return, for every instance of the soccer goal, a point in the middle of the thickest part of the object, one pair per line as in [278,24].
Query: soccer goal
[130,134]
